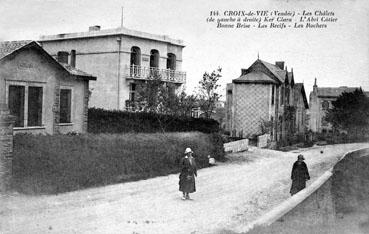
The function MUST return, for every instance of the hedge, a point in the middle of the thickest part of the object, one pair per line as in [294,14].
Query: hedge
[114,121]
[61,163]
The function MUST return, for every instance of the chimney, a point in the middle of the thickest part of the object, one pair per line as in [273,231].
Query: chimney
[62,57]
[280,64]
[94,28]
[73,58]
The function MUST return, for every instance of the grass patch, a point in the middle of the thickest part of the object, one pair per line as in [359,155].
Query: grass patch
[61,163]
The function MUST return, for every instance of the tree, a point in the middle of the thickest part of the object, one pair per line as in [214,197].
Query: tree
[350,113]
[208,95]
[155,95]
[150,94]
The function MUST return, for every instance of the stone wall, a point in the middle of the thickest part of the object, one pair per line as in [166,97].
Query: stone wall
[6,146]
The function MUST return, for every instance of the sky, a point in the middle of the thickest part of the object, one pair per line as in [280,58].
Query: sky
[336,56]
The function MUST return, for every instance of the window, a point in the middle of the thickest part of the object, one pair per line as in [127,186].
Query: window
[154,58]
[132,92]
[171,61]
[21,96]
[273,94]
[34,106]
[65,105]
[16,104]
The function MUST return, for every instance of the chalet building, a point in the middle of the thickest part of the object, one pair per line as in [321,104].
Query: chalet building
[44,95]
[264,93]
[301,105]
[121,58]
[321,99]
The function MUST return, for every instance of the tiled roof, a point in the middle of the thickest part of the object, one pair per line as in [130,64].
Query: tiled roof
[8,47]
[279,73]
[254,77]
[290,76]
[298,89]
[334,92]
[76,72]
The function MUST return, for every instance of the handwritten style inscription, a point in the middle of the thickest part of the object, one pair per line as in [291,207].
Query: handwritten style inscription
[263,19]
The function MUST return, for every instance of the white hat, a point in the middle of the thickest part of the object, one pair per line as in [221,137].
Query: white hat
[188,150]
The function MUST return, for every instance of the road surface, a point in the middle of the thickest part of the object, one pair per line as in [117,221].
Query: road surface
[229,196]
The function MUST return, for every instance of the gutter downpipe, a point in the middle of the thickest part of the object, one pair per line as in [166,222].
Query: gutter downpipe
[119,40]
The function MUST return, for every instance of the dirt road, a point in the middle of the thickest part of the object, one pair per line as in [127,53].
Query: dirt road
[229,195]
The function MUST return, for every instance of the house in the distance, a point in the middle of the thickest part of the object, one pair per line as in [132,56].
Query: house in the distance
[321,99]
[44,95]
[301,105]
[122,59]
[262,98]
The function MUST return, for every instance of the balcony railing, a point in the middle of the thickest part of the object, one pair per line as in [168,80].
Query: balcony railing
[147,73]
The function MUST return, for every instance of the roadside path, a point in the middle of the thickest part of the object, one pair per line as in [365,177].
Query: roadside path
[229,196]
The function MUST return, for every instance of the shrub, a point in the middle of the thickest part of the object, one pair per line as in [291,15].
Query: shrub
[60,163]
[107,121]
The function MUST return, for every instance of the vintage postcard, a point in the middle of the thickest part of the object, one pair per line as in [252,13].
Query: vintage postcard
[195,116]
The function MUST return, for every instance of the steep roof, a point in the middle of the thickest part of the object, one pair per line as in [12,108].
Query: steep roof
[290,77]
[334,92]
[299,89]
[254,77]
[9,47]
[279,73]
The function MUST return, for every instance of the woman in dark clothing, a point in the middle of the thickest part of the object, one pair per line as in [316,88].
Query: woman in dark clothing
[299,175]
[187,175]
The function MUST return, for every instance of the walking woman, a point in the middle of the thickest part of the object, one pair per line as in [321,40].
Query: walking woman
[299,175]
[187,175]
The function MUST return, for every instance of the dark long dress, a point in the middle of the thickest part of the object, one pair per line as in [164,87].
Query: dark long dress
[299,175]
[187,175]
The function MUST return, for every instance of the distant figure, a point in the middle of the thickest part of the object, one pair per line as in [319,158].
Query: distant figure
[299,175]
[187,175]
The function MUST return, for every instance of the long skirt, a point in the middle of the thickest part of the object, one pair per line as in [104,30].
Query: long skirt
[297,186]
[187,183]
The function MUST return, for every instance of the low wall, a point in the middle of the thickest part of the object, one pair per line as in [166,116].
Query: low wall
[263,140]
[236,146]
[337,202]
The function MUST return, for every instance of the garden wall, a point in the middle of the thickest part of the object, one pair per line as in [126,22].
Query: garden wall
[337,202]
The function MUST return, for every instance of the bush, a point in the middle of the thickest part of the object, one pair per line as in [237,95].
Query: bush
[107,121]
[61,163]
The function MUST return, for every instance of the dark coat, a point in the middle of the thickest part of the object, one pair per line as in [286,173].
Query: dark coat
[299,175]
[187,175]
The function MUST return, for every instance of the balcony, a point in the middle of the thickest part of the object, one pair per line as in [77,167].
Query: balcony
[147,73]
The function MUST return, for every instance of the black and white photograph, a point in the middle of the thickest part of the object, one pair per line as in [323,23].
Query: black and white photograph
[185,117]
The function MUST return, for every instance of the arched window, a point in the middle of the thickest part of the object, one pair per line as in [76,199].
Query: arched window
[171,61]
[135,56]
[154,58]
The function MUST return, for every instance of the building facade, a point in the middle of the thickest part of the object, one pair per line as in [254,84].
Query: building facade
[301,105]
[261,101]
[44,95]
[321,99]
[121,58]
